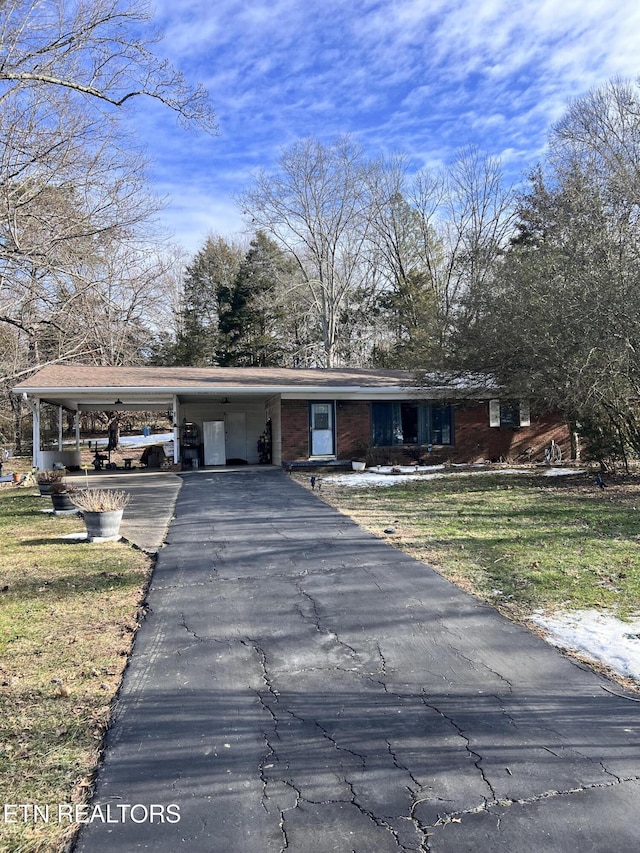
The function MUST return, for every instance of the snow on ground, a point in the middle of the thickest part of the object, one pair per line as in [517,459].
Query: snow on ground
[600,636]
[383,476]
[133,441]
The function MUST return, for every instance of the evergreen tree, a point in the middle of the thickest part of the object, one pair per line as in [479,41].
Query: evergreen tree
[253,324]
[208,287]
[559,322]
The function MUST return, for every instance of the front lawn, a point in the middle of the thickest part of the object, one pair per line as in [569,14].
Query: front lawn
[522,542]
[68,614]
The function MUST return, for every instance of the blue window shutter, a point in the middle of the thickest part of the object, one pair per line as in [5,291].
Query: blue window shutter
[382,424]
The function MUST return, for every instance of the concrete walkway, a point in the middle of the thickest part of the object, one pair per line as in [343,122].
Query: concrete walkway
[153,498]
[299,685]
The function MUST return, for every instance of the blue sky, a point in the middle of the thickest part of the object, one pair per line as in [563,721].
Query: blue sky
[420,77]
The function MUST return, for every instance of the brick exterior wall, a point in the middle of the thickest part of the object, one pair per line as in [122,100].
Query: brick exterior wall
[474,439]
[353,428]
[295,430]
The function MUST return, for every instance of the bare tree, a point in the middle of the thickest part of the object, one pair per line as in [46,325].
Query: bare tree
[76,220]
[316,206]
[437,236]
[92,48]
[70,180]
[61,219]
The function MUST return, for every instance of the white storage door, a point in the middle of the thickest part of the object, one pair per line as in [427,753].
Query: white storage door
[214,447]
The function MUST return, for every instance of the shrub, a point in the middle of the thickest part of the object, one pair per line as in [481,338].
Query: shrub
[100,500]
[60,487]
[49,476]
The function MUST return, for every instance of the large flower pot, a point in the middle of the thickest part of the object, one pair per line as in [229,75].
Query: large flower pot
[45,489]
[62,502]
[358,466]
[103,526]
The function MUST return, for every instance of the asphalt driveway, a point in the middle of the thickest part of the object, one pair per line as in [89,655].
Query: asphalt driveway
[299,685]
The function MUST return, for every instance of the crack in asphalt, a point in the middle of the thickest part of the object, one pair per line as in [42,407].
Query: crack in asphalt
[380,822]
[275,695]
[489,806]
[546,795]
[476,757]
[383,663]
[474,664]
[397,763]
[183,623]
[316,619]
[270,700]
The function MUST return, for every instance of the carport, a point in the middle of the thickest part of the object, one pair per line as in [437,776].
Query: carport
[213,422]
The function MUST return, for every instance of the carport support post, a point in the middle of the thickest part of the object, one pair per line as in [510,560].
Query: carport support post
[60,428]
[176,438]
[77,427]
[35,411]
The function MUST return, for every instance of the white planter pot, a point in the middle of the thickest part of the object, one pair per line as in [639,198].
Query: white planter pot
[358,466]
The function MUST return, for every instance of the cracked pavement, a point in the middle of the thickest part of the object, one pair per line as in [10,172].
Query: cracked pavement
[298,685]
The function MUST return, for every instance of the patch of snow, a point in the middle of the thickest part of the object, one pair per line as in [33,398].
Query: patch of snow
[405,469]
[133,441]
[383,476]
[600,636]
[371,479]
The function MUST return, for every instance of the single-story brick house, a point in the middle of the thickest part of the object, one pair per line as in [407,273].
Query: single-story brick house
[287,416]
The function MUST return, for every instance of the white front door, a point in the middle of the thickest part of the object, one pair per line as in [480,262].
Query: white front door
[321,427]
[214,446]
[236,435]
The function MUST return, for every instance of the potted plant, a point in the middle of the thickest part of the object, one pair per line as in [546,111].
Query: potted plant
[102,512]
[61,494]
[361,451]
[45,480]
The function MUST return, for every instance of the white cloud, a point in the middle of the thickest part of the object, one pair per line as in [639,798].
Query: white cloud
[401,75]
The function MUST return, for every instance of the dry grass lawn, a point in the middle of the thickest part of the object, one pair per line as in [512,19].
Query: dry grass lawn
[68,614]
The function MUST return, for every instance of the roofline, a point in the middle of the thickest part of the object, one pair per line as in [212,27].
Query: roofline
[305,390]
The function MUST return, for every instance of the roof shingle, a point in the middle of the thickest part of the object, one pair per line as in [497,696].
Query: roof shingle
[63,376]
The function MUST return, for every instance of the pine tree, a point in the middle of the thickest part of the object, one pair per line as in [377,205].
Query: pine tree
[252,327]
[208,285]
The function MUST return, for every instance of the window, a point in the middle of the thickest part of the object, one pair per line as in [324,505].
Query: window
[509,413]
[409,422]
